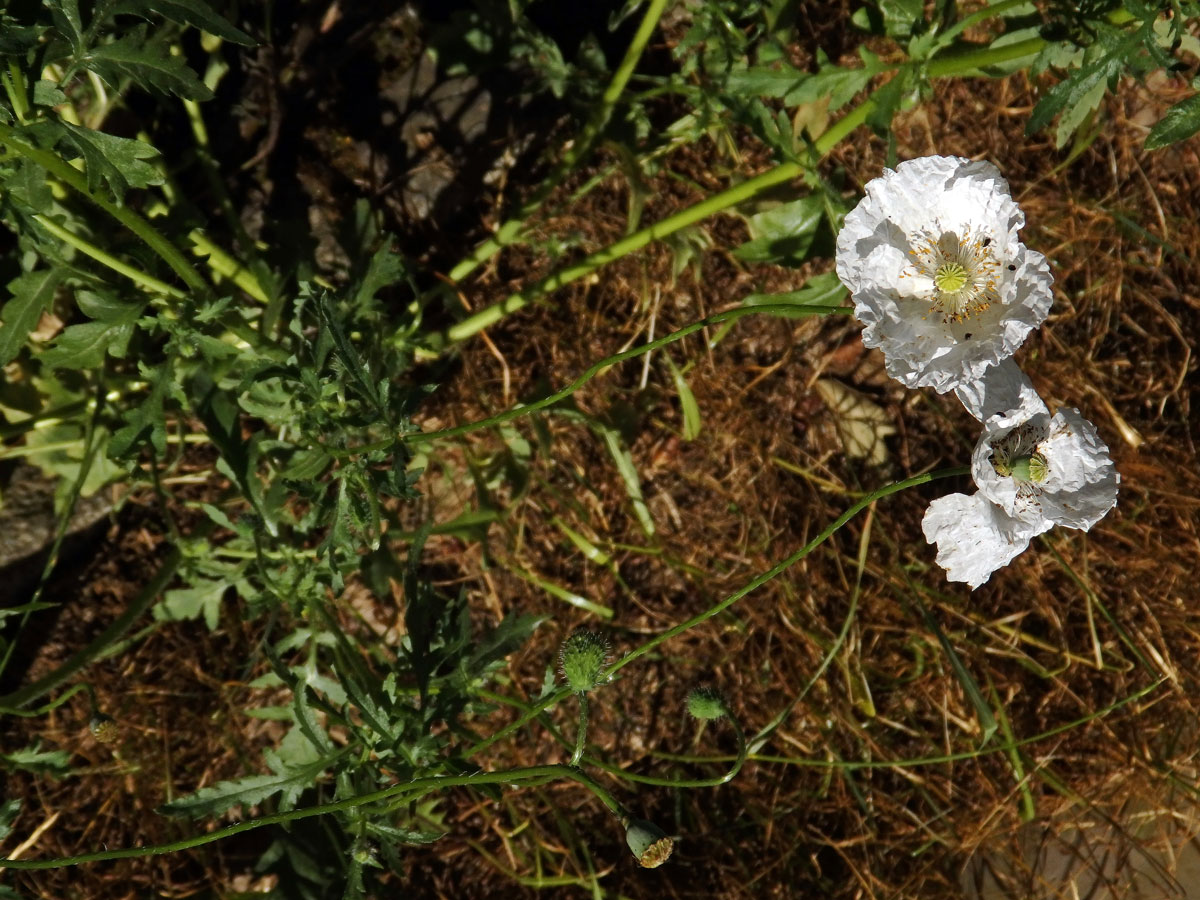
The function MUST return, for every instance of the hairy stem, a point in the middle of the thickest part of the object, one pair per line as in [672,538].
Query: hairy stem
[149,282]
[581,734]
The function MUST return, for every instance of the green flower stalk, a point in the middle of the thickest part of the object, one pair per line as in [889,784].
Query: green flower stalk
[582,659]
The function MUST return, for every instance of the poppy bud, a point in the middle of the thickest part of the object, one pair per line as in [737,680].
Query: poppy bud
[706,703]
[582,658]
[648,842]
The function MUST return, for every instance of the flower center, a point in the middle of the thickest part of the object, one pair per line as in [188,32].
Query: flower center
[1016,455]
[960,273]
[950,278]
[1031,469]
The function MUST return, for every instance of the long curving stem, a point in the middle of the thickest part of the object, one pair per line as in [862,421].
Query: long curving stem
[417,788]
[779,568]
[940,67]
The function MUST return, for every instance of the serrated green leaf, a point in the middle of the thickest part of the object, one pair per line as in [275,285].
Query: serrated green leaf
[783,234]
[762,81]
[34,759]
[246,792]
[239,457]
[373,716]
[47,93]
[354,364]
[190,12]
[1179,122]
[115,161]
[67,19]
[385,267]
[8,814]
[106,306]
[151,66]
[31,294]
[17,39]
[1074,116]
[889,100]
[85,345]
[836,84]
[146,420]
[203,599]
[1102,64]
[307,722]
[900,17]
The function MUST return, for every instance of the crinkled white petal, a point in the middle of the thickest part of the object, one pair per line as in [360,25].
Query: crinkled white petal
[886,251]
[1003,390]
[1079,483]
[974,537]
[1082,482]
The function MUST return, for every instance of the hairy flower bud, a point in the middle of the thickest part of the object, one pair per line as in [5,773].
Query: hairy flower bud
[582,658]
[648,842]
[706,703]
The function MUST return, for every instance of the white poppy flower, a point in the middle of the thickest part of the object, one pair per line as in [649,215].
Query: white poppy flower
[938,277]
[1033,471]
[1046,468]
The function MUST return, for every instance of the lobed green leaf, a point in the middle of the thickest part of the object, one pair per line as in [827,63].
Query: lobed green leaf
[31,295]
[149,65]
[249,791]
[189,12]
[1179,123]
[116,161]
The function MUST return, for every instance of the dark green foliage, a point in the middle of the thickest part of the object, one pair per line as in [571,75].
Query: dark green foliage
[1100,43]
[302,408]
[1179,123]
[30,295]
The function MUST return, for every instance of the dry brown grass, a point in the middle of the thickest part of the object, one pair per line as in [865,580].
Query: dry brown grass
[1118,345]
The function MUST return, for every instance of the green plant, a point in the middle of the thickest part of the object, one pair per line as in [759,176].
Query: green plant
[295,394]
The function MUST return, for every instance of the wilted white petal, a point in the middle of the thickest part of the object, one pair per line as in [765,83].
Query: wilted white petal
[974,537]
[1003,390]
[938,277]
[1042,468]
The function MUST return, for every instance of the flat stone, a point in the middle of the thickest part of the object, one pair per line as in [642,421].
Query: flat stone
[28,523]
